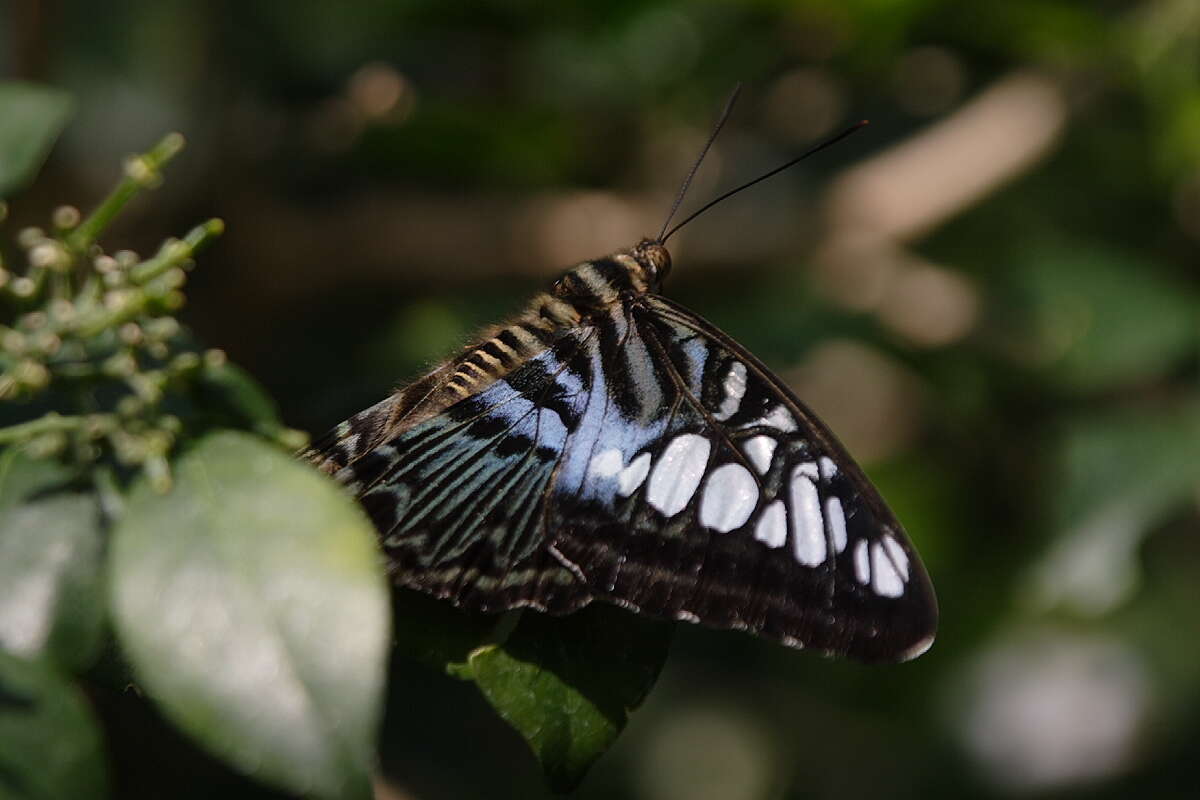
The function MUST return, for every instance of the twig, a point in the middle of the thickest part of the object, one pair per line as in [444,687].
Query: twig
[141,172]
[50,423]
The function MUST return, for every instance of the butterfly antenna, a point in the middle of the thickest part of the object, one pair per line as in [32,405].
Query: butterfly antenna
[712,137]
[811,151]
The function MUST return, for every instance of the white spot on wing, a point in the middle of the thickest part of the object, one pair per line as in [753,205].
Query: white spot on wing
[606,464]
[828,468]
[632,476]
[678,473]
[808,468]
[862,566]
[808,531]
[778,418]
[837,522]
[885,580]
[899,557]
[759,450]
[771,529]
[735,389]
[730,495]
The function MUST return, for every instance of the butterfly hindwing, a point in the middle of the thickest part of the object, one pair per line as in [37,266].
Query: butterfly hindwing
[458,497]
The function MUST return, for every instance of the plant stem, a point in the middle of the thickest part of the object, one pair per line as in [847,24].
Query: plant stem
[141,172]
[170,255]
[50,423]
[174,253]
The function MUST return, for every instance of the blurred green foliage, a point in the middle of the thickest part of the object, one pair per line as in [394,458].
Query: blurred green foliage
[395,174]
[36,115]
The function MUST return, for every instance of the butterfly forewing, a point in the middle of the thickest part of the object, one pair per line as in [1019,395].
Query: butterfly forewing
[747,513]
[636,455]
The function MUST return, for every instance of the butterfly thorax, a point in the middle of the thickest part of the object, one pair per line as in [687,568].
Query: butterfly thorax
[596,285]
[583,292]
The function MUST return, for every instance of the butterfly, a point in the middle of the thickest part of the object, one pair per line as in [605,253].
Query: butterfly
[610,445]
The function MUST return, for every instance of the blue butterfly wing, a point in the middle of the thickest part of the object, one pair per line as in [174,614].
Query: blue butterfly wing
[460,498]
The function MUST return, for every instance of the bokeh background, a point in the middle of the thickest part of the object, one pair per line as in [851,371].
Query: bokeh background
[990,294]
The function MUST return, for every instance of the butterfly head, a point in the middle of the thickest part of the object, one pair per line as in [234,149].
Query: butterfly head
[653,261]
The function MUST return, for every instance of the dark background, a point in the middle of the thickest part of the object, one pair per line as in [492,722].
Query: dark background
[990,294]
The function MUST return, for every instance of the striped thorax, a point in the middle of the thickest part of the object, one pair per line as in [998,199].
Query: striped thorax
[586,290]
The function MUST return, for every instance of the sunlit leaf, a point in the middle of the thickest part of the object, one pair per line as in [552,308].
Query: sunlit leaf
[568,684]
[51,597]
[49,744]
[251,602]
[31,117]
[437,634]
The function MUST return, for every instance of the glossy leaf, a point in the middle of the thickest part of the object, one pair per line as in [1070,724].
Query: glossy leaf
[49,744]
[51,594]
[437,634]
[251,602]
[568,684]
[33,116]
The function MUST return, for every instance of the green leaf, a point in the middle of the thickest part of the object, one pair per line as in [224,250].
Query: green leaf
[241,400]
[51,595]
[252,605]
[567,684]
[31,118]
[23,477]
[437,634]
[49,743]
[51,598]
